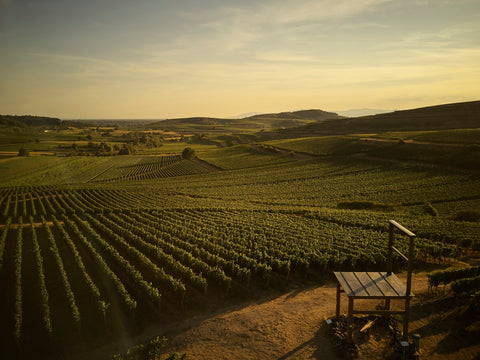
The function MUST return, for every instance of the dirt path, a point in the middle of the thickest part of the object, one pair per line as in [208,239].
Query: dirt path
[416,142]
[282,152]
[291,326]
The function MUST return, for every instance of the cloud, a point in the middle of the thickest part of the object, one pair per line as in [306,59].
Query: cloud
[451,36]
[233,28]
[291,12]
[284,57]
[364,25]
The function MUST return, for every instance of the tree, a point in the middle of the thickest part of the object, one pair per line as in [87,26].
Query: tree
[188,153]
[124,151]
[23,152]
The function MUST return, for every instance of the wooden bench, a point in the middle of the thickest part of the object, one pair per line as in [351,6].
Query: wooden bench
[378,285]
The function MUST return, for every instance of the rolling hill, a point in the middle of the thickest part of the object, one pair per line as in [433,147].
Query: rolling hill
[449,116]
[28,120]
[248,124]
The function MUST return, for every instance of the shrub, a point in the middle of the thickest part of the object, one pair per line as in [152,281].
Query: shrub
[124,151]
[429,209]
[188,153]
[23,152]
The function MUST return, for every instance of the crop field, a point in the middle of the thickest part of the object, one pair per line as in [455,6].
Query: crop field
[128,244]
[147,167]
[243,156]
[456,136]
[426,147]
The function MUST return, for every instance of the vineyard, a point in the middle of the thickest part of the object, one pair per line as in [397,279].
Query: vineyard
[147,167]
[139,240]
[51,170]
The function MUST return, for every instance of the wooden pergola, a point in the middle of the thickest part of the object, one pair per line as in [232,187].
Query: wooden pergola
[378,285]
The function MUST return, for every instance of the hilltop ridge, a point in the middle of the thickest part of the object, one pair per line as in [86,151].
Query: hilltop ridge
[252,123]
[439,117]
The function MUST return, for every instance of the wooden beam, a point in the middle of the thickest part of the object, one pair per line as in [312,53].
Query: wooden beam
[350,321]
[337,309]
[391,237]
[405,319]
[401,228]
[387,304]
[367,326]
[409,288]
[400,253]
[379,312]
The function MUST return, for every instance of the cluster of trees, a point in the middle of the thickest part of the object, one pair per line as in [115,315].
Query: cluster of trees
[29,120]
[137,138]
[97,149]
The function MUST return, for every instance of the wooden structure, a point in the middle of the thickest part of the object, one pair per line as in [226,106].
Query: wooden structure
[378,285]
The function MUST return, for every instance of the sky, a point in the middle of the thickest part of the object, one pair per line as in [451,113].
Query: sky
[158,59]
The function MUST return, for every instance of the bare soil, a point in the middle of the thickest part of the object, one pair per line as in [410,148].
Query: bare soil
[416,142]
[293,326]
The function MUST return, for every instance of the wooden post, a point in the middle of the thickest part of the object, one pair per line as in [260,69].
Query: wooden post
[410,266]
[337,309]
[390,249]
[408,289]
[405,319]
[350,321]
[387,304]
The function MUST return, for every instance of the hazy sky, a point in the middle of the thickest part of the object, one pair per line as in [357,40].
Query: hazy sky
[165,59]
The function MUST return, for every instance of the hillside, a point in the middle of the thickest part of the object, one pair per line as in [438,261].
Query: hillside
[28,120]
[248,124]
[313,114]
[449,116]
